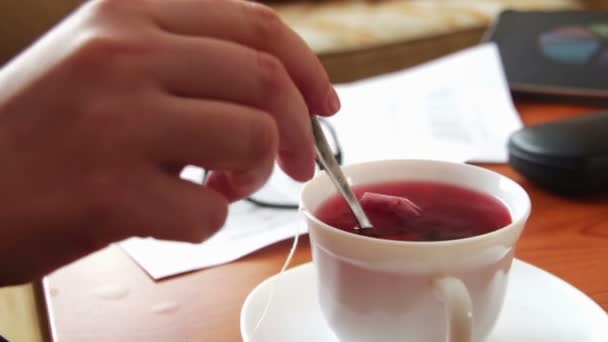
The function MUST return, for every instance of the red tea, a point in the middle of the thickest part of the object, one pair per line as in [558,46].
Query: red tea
[429,212]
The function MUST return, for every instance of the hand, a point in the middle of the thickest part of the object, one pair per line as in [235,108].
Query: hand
[99,116]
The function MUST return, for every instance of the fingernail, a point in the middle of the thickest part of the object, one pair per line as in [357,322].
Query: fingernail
[220,182]
[333,101]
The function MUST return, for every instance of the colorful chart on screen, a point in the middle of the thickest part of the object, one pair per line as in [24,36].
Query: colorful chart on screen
[577,44]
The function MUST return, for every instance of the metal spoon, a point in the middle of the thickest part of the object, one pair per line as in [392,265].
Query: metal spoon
[329,163]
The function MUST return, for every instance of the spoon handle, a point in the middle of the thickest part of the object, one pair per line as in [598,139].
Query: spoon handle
[329,163]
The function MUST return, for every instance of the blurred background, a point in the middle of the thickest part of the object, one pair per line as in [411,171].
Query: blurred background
[354,38]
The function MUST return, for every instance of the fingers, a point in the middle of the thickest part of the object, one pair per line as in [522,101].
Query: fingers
[241,141]
[234,73]
[170,208]
[256,26]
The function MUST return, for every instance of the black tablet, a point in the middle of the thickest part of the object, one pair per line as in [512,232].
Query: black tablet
[566,155]
[558,54]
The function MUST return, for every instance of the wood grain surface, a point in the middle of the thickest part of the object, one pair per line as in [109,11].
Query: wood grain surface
[565,236]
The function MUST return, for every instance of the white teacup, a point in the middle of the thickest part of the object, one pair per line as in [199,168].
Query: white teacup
[382,290]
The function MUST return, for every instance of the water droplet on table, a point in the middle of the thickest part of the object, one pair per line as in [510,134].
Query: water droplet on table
[111,292]
[165,307]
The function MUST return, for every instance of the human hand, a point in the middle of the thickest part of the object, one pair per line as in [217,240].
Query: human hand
[99,116]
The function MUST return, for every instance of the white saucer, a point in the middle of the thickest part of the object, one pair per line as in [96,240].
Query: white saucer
[539,307]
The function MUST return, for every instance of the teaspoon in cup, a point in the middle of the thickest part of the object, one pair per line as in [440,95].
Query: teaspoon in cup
[329,163]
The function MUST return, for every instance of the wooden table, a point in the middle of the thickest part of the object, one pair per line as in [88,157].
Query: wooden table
[567,237]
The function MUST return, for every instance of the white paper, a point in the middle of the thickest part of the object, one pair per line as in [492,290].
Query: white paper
[457,108]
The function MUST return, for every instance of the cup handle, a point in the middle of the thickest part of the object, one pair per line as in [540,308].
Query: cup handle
[458,307]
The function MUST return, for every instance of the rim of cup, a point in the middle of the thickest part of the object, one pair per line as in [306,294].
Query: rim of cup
[516,221]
